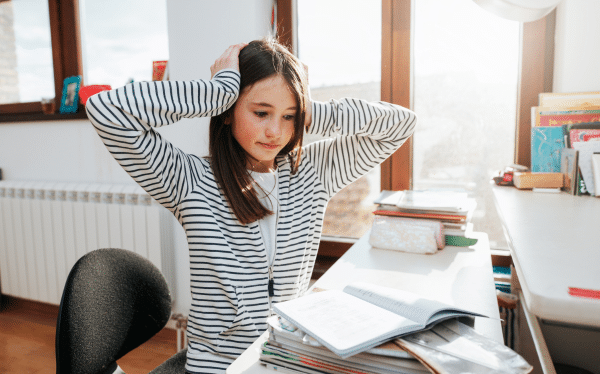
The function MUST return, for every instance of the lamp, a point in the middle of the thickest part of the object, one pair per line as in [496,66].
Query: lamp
[519,10]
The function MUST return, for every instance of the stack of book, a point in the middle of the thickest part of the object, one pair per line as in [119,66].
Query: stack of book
[290,349]
[453,209]
[369,329]
[564,136]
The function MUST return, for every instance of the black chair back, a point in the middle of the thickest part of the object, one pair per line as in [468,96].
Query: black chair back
[113,301]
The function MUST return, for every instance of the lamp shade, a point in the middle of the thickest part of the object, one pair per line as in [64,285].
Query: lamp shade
[519,10]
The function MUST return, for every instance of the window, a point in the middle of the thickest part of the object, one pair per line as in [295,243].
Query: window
[133,24]
[534,76]
[466,75]
[343,61]
[66,57]
[26,52]
[120,39]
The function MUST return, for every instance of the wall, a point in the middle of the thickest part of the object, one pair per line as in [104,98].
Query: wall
[70,151]
[577,48]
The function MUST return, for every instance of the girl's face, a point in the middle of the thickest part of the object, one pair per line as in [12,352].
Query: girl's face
[263,121]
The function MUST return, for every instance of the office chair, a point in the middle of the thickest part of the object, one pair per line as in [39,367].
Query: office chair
[113,301]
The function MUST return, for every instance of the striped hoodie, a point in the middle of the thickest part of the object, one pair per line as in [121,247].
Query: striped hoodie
[228,263]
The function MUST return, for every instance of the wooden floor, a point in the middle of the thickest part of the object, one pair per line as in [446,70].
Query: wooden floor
[27,332]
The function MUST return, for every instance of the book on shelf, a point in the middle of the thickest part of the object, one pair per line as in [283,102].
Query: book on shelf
[543,116]
[546,145]
[363,316]
[569,99]
[583,132]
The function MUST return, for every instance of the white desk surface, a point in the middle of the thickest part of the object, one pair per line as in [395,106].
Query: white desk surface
[461,276]
[554,240]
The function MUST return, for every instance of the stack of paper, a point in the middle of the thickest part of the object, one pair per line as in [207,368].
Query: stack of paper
[453,210]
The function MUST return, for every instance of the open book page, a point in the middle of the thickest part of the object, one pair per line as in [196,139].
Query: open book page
[405,303]
[343,323]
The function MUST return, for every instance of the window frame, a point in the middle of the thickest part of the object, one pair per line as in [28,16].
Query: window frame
[66,59]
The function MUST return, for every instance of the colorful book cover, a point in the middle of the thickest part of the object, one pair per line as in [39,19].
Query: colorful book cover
[583,132]
[583,135]
[567,117]
[546,145]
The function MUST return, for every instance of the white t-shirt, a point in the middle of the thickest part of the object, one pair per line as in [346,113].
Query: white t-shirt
[269,182]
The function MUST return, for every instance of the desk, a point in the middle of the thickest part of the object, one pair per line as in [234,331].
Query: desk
[461,276]
[554,240]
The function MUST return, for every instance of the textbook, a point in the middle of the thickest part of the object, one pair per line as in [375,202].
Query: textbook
[363,316]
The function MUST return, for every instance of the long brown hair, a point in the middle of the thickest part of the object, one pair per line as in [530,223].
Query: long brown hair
[260,59]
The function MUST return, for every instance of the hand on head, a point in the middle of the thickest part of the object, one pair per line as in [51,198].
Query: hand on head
[228,60]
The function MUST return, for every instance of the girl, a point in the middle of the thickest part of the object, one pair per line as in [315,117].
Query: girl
[253,209]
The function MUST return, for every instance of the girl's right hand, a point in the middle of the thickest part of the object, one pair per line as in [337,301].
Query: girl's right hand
[228,60]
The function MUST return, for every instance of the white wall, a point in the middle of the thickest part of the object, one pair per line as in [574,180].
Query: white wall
[70,151]
[577,48]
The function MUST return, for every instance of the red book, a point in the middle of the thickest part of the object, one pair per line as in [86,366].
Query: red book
[565,118]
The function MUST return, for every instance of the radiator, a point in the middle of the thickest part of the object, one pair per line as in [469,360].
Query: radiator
[46,227]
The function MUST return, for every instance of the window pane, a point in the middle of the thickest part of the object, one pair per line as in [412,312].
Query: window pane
[26,72]
[340,41]
[466,70]
[120,39]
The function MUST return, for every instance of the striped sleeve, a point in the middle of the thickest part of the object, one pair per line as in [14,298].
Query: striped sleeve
[361,135]
[125,119]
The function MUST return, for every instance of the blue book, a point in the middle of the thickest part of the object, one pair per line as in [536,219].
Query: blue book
[546,145]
